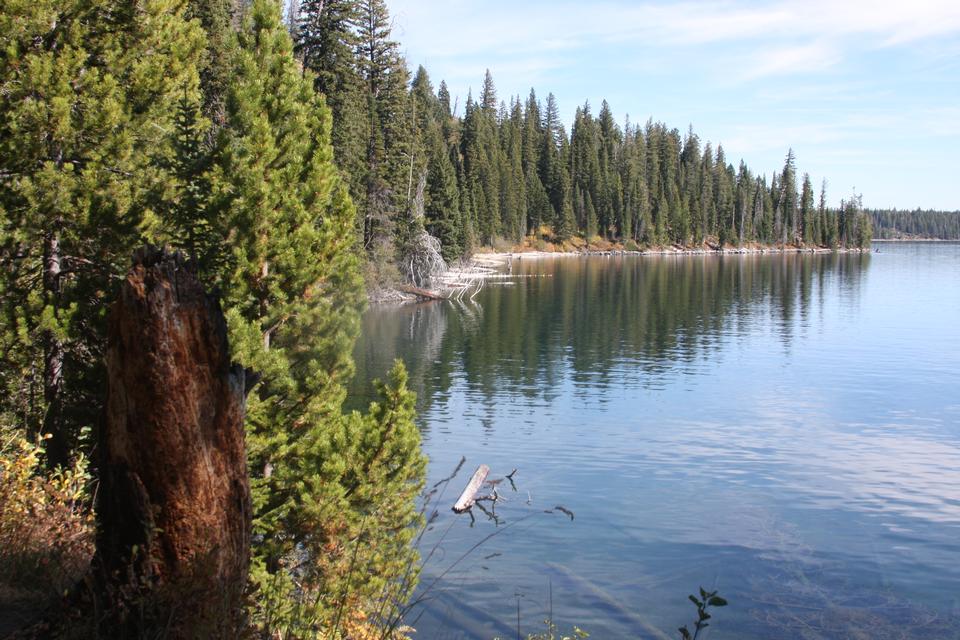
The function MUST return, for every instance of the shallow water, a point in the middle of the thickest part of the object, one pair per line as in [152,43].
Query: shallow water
[783,428]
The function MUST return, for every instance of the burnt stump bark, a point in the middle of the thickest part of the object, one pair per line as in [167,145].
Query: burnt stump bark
[173,506]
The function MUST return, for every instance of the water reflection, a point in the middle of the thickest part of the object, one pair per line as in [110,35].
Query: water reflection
[782,427]
[580,315]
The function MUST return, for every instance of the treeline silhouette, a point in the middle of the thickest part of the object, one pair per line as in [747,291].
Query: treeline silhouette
[894,224]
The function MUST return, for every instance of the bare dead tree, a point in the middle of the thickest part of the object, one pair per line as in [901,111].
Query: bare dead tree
[423,262]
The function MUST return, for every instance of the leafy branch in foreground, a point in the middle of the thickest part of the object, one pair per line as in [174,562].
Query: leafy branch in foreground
[552,633]
[706,600]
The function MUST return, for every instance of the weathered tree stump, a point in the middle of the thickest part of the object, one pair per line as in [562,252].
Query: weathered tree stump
[173,508]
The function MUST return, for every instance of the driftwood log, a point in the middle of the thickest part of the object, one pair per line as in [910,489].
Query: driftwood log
[469,495]
[422,294]
[173,508]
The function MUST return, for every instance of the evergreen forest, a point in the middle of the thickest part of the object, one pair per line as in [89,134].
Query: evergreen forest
[506,169]
[891,224]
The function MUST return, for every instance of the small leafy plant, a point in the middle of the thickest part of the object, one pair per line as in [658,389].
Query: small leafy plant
[46,522]
[706,600]
[552,633]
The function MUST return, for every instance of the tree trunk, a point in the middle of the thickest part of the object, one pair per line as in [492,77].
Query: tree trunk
[174,512]
[56,445]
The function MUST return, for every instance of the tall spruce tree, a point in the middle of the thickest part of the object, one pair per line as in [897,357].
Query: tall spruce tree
[807,211]
[327,44]
[690,167]
[389,152]
[724,194]
[788,200]
[442,211]
[744,201]
[538,202]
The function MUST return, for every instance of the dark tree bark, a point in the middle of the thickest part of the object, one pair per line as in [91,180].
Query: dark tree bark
[173,509]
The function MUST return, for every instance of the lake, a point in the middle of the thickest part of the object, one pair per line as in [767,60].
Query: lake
[782,428]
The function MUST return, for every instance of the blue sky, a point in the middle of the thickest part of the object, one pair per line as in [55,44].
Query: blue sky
[866,93]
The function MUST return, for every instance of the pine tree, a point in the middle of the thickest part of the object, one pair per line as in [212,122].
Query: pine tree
[633,183]
[330,490]
[467,213]
[443,95]
[327,44]
[654,230]
[538,203]
[216,17]
[690,168]
[828,223]
[483,160]
[513,187]
[708,200]
[744,201]
[864,228]
[388,181]
[488,95]
[609,141]
[81,168]
[590,218]
[852,223]
[724,192]
[443,202]
[185,210]
[761,227]
[549,165]
[776,196]
[667,221]
[788,200]
[807,211]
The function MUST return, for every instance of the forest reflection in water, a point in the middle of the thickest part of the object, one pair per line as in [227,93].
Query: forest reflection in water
[782,427]
[583,314]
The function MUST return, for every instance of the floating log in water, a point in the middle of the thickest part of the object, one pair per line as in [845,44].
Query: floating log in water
[469,495]
[423,294]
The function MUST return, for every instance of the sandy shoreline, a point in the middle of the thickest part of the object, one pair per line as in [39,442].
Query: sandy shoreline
[465,280]
[493,258]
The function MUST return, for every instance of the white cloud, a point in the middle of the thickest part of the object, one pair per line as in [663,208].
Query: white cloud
[462,28]
[806,58]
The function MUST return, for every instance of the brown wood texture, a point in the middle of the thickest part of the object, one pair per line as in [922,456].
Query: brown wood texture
[174,511]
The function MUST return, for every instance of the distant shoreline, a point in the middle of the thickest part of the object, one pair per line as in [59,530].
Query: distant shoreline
[915,240]
[495,258]
[488,264]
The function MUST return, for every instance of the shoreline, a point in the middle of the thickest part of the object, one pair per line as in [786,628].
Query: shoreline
[497,258]
[914,240]
[465,280]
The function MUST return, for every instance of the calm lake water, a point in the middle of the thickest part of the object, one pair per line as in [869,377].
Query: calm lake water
[785,429]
